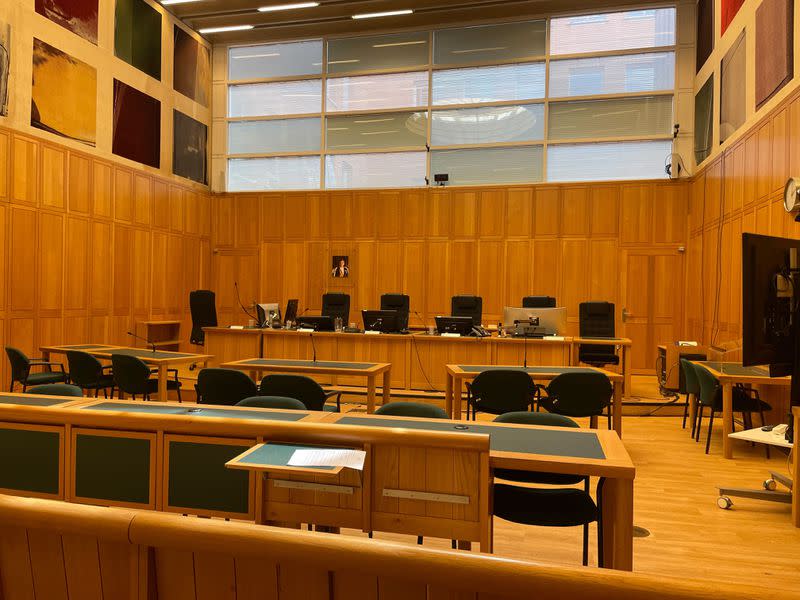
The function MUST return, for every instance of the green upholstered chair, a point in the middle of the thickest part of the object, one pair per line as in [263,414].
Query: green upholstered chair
[21,367]
[88,373]
[579,394]
[499,391]
[272,402]
[56,389]
[225,387]
[691,387]
[133,376]
[412,409]
[547,507]
[302,388]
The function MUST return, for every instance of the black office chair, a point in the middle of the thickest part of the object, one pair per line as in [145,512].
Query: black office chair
[133,376]
[579,394]
[299,387]
[597,320]
[225,387]
[400,303]
[272,402]
[468,306]
[202,304]
[500,391]
[547,507]
[56,389]
[88,373]
[538,302]
[336,305]
[21,367]
[412,409]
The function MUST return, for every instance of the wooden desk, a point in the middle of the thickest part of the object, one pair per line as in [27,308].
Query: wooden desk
[161,359]
[624,345]
[729,374]
[370,371]
[458,374]
[226,344]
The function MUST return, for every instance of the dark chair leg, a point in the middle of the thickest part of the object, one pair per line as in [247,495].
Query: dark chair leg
[710,426]
[419,540]
[179,396]
[599,495]
[699,422]
[453,544]
[586,545]
[96,392]
[610,426]
[369,535]
[685,412]
[24,387]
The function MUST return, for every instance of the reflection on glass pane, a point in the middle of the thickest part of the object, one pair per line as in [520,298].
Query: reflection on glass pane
[396,90]
[613,31]
[612,74]
[272,137]
[486,125]
[650,115]
[488,84]
[509,41]
[732,103]
[489,165]
[395,51]
[388,130]
[606,161]
[703,120]
[399,169]
[275,60]
[283,173]
[270,99]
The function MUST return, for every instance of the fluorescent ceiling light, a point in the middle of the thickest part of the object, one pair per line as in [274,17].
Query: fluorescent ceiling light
[278,7]
[170,2]
[390,13]
[227,28]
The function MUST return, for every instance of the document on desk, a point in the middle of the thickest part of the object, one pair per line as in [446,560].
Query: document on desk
[328,457]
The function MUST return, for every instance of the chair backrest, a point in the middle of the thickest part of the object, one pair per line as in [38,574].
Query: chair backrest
[56,389]
[202,304]
[708,384]
[225,387]
[412,409]
[538,302]
[84,369]
[597,319]
[299,387]
[20,363]
[688,376]
[336,305]
[400,303]
[503,390]
[272,402]
[130,374]
[468,306]
[536,418]
[581,394]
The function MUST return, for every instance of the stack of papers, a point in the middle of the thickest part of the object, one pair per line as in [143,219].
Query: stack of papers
[328,457]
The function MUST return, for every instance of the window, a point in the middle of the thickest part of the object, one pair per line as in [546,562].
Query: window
[272,99]
[625,117]
[390,130]
[598,162]
[401,169]
[520,123]
[282,173]
[275,60]
[489,43]
[650,72]
[489,165]
[396,51]
[274,137]
[397,90]
[488,84]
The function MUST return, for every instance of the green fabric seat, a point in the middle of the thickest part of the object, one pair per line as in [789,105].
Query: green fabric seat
[586,394]
[499,391]
[43,378]
[88,373]
[56,389]
[412,409]
[21,367]
[568,507]
[132,376]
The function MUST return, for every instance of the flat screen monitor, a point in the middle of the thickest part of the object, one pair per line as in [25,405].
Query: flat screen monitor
[385,321]
[552,319]
[460,325]
[291,310]
[266,313]
[315,323]
[769,298]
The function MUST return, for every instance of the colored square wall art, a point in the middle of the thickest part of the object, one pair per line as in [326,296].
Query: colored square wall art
[774,47]
[79,16]
[5,65]
[137,36]
[137,125]
[732,97]
[703,120]
[729,8]
[64,95]
[705,32]
[192,67]
[189,148]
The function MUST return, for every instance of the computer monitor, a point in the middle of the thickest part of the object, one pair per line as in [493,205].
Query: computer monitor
[460,325]
[385,321]
[554,320]
[267,313]
[315,323]
[291,310]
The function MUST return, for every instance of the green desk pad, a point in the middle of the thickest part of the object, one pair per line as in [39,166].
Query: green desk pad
[310,363]
[30,460]
[200,411]
[505,439]
[145,354]
[531,370]
[112,468]
[736,369]
[27,400]
[277,455]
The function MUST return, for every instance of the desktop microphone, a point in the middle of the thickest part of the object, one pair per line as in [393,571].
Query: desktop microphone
[419,316]
[313,347]
[145,340]
[239,300]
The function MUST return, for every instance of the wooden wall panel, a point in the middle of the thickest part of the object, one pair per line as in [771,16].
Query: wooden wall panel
[54,172]
[79,187]
[22,256]
[51,260]
[123,195]
[5,163]
[25,169]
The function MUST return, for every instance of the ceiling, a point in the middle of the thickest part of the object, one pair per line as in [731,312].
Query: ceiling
[334,17]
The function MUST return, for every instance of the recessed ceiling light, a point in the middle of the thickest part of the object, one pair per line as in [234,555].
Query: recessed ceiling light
[170,2]
[227,28]
[278,7]
[391,13]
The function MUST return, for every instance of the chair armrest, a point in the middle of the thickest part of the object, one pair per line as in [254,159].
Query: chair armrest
[44,363]
[331,394]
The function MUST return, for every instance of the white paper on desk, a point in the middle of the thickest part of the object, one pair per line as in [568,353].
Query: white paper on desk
[328,457]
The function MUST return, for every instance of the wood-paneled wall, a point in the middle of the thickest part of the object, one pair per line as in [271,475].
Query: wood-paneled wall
[577,242]
[89,247]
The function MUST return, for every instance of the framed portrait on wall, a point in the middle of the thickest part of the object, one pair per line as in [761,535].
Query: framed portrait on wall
[340,267]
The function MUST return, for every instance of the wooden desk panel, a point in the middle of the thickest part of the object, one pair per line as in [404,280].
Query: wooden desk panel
[232,344]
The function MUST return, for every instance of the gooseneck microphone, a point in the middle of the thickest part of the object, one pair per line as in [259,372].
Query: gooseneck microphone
[239,300]
[145,340]
[313,348]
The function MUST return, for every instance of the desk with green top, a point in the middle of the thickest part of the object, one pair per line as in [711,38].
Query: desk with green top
[161,359]
[730,374]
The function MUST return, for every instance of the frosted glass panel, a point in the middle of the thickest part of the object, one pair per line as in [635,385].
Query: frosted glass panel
[400,169]
[396,51]
[732,99]
[613,31]
[393,130]
[490,165]
[650,115]
[487,125]
[272,137]
[397,90]
[488,84]
[283,173]
[275,60]
[270,99]
[509,41]
[616,160]
[650,72]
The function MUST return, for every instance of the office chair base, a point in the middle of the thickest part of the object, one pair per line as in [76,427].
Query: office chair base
[769,492]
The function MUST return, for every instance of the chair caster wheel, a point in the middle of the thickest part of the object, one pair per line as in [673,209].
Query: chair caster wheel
[724,502]
[770,485]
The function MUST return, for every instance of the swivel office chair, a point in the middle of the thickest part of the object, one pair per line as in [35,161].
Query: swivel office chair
[400,303]
[597,321]
[336,305]
[202,304]
[539,302]
[468,306]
